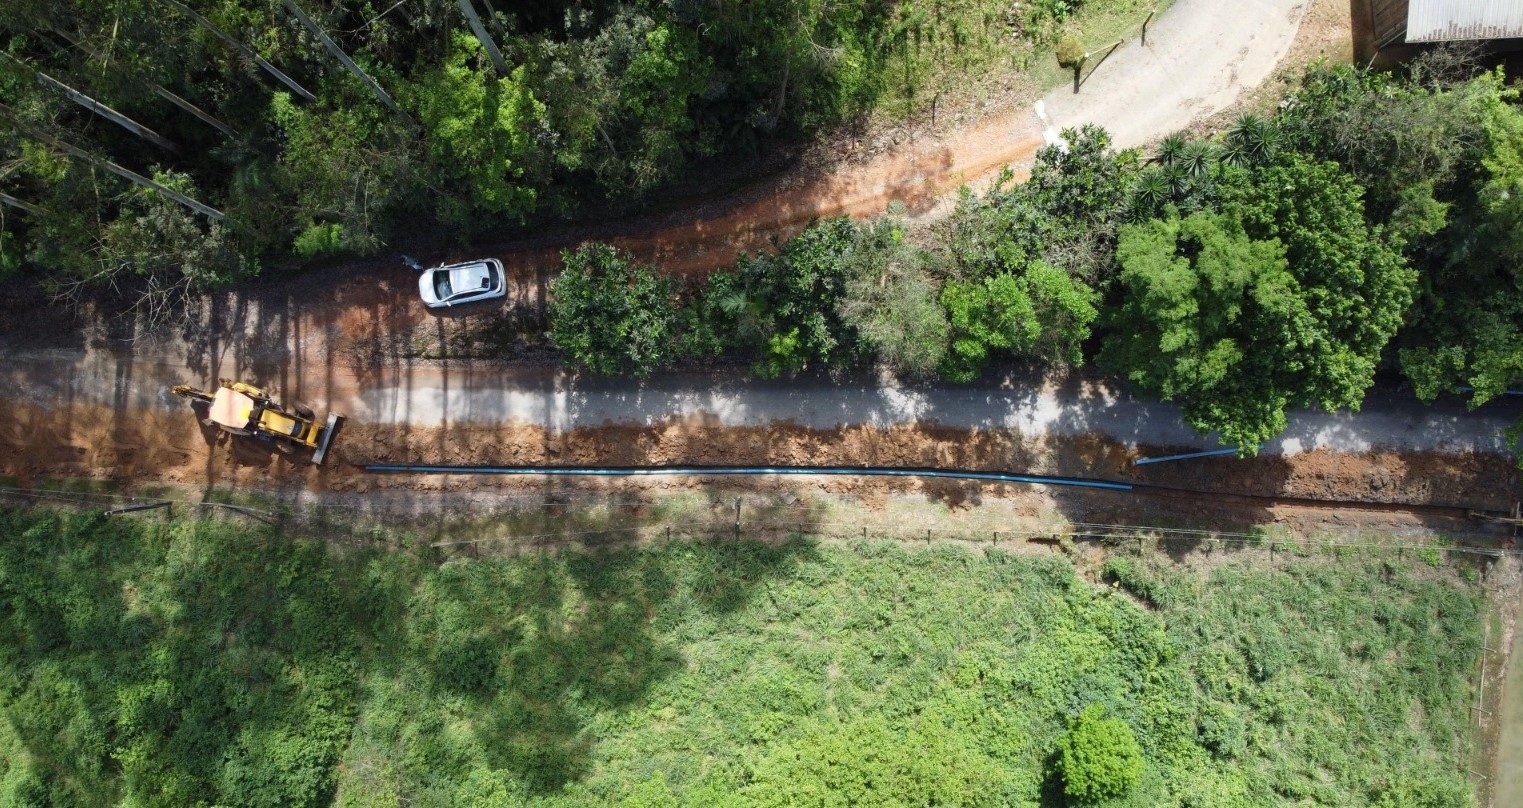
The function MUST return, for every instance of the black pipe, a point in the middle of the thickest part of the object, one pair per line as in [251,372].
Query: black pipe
[148,506]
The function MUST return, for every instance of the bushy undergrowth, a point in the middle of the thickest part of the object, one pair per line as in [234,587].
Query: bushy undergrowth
[213,663]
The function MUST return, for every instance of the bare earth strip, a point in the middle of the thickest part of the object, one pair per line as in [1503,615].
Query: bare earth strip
[351,345]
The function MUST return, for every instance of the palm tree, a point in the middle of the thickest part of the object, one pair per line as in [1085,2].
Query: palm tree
[1170,149]
[1152,191]
[1251,140]
[1197,159]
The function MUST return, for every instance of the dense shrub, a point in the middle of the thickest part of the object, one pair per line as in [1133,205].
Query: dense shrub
[1042,313]
[782,307]
[890,299]
[1098,758]
[610,315]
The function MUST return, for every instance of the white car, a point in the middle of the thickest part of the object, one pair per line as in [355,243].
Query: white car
[458,284]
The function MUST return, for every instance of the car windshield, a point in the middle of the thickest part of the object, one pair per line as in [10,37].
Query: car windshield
[441,285]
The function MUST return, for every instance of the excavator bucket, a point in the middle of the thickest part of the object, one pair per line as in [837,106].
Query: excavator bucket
[327,438]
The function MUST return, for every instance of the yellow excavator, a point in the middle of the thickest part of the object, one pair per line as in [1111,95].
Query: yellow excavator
[243,409]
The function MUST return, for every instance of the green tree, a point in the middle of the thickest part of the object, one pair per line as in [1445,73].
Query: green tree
[154,253]
[1287,298]
[1466,334]
[621,101]
[891,301]
[1066,215]
[783,307]
[349,165]
[1040,313]
[1209,318]
[1392,134]
[1099,758]
[1353,272]
[610,315]
[482,132]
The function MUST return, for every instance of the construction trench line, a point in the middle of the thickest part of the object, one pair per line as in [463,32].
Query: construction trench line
[1140,489]
[743,471]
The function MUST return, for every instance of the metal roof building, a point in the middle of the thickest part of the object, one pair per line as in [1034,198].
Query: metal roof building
[1450,20]
[1384,23]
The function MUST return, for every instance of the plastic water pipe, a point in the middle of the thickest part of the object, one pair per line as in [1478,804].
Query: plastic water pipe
[1143,461]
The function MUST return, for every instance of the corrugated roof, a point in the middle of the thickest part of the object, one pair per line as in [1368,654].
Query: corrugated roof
[1449,20]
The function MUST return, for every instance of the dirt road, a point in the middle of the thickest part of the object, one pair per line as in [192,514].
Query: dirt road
[1200,56]
[95,403]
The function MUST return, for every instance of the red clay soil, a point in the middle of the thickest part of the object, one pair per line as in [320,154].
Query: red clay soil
[139,447]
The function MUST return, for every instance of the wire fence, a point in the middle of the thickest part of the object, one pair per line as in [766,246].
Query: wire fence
[464,520]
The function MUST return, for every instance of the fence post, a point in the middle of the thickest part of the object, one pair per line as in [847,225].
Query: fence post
[737,518]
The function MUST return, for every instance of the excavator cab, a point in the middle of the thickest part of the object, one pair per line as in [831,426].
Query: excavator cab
[239,408]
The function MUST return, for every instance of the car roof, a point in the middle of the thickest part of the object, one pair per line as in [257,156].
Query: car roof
[470,277]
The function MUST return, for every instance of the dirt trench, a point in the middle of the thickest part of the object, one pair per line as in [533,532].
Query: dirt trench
[138,448]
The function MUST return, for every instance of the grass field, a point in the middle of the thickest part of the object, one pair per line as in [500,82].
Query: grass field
[202,662]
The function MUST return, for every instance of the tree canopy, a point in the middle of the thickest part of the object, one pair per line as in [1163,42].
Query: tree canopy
[343,125]
[610,315]
[1285,298]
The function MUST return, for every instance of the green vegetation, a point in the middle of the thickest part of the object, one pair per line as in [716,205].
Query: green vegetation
[610,315]
[781,307]
[1099,759]
[203,662]
[1372,224]
[463,117]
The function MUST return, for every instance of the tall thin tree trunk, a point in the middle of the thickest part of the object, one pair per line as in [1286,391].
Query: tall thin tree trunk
[158,89]
[243,49]
[100,162]
[106,112]
[200,114]
[481,34]
[343,58]
[492,15]
[7,199]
